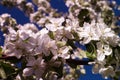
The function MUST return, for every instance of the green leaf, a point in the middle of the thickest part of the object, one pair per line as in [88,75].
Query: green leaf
[26,40]
[8,69]
[83,13]
[91,55]
[71,43]
[93,2]
[75,34]
[0,51]
[13,60]
[48,58]
[51,34]
[84,16]
[108,16]
[60,43]
[117,76]
[90,48]
[59,70]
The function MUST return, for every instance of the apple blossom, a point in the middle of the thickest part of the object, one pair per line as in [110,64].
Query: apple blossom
[102,51]
[50,53]
[54,23]
[88,33]
[35,67]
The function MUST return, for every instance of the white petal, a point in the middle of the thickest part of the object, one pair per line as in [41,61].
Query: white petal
[65,50]
[99,45]
[107,30]
[106,72]
[107,50]
[44,31]
[100,56]
[51,27]
[87,40]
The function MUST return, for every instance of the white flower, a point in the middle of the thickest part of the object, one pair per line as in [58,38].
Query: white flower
[35,67]
[43,31]
[18,77]
[1,21]
[102,51]
[78,53]
[59,34]
[113,40]
[6,15]
[24,34]
[34,16]
[19,42]
[69,3]
[104,32]
[27,71]
[67,32]
[29,4]
[106,72]
[64,52]
[20,1]
[28,39]
[45,45]
[74,23]
[12,36]
[55,23]
[11,49]
[27,31]
[88,32]
[13,45]
[29,26]
[38,1]
[40,79]
[97,66]
[42,21]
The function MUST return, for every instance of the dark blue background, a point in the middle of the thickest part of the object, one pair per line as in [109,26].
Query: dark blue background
[57,4]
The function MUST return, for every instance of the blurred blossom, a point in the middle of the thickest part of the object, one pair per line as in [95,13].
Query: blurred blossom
[106,72]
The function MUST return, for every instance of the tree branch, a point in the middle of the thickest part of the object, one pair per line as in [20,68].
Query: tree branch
[69,61]
[78,62]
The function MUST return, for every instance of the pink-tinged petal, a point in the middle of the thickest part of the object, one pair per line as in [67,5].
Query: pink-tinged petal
[31,61]
[17,53]
[27,71]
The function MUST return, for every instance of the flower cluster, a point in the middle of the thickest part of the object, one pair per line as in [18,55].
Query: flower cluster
[51,53]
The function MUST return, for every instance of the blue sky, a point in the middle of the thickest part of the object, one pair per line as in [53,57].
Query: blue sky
[57,4]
